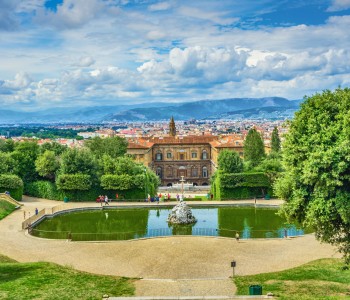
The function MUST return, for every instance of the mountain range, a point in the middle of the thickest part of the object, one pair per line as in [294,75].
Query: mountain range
[233,109]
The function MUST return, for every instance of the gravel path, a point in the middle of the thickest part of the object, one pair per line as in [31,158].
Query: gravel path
[177,266]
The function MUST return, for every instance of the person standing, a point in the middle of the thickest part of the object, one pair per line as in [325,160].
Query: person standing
[106,200]
[237,236]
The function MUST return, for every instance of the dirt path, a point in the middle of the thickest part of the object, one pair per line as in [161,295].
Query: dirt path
[181,266]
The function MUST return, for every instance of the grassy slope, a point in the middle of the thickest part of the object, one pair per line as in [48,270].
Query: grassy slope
[50,281]
[6,208]
[320,279]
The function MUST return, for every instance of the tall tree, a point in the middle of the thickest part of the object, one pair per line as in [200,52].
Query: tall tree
[316,157]
[275,141]
[25,154]
[7,145]
[78,161]
[254,150]
[230,162]
[47,164]
[112,146]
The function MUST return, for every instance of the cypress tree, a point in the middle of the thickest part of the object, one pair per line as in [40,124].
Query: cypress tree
[254,150]
[275,141]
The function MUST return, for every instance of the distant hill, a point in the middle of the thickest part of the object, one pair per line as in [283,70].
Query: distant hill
[210,109]
[269,107]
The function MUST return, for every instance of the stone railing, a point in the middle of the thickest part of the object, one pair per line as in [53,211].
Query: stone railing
[8,198]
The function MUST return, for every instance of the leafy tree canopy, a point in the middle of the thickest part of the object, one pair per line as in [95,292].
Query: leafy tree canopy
[112,146]
[7,164]
[57,148]
[230,162]
[316,157]
[7,145]
[47,164]
[254,150]
[25,153]
[78,161]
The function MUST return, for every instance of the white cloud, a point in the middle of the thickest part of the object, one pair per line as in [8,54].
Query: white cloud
[339,5]
[160,6]
[85,61]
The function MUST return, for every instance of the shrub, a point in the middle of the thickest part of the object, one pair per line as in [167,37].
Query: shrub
[73,182]
[12,184]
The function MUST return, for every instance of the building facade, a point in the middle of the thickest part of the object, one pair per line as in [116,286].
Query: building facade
[173,156]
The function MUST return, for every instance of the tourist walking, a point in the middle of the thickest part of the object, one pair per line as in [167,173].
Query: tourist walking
[237,236]
[106,200]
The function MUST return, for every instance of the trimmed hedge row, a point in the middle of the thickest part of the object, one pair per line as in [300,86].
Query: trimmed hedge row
[48,190]
[240,186]
[12,184]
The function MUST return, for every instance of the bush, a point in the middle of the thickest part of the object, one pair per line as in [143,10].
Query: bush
[12,184]
[240,185]
[74,182]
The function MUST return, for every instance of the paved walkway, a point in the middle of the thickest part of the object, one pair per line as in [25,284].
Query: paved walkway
[182,266]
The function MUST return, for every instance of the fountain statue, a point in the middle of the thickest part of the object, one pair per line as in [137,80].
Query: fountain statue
[181,214]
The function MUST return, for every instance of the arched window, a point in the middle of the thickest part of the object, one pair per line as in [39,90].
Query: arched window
[169,155]
[204,154]
[205,172]
[159,172]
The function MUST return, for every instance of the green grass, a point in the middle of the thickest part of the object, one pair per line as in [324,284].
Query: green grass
[319,279]
[6,208]
[44,280]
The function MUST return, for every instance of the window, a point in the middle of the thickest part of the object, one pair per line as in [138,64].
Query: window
[158,156]
[169,172]
[182,156]
[194,154]
[159,172]
[194,172]
[204,154]
[205,172]
[168,155]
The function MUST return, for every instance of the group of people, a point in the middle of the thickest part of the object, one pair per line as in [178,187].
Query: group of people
[101,199]
[158,197]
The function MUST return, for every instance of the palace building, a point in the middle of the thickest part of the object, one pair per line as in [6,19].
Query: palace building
[193,157]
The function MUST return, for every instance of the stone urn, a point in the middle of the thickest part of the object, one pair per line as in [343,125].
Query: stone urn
[181,214]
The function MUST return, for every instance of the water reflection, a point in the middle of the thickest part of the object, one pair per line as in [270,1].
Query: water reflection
[122,224]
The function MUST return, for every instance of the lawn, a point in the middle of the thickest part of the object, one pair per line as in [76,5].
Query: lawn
[319,279]
[50,281]
[6,208]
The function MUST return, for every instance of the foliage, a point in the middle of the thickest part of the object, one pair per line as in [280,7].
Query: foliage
[230,162]
[10,182]
[74,182]
[25,154]
[7,164]
[6,208]
[254,149]
[47,164]
[320,279]
[79,161]
[316,157]
[275,141]
[43,280]
[57,148]
[117,182]
[271,167]
[239,185]
[44,189]
[112,146]
[7,145]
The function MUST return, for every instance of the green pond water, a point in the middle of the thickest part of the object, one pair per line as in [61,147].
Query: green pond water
[132,223]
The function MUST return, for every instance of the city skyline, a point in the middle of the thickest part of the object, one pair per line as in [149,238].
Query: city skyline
[106,52]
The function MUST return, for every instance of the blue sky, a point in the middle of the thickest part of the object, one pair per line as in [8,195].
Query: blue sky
[64,53]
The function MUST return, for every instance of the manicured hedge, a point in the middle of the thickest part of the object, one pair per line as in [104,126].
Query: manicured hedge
[48,190]
[73,182]
[12,184]
[240,186]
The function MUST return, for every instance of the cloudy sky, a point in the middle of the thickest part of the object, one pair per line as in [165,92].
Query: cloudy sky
[62,53]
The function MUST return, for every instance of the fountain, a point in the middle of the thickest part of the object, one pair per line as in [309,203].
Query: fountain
[181,213]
